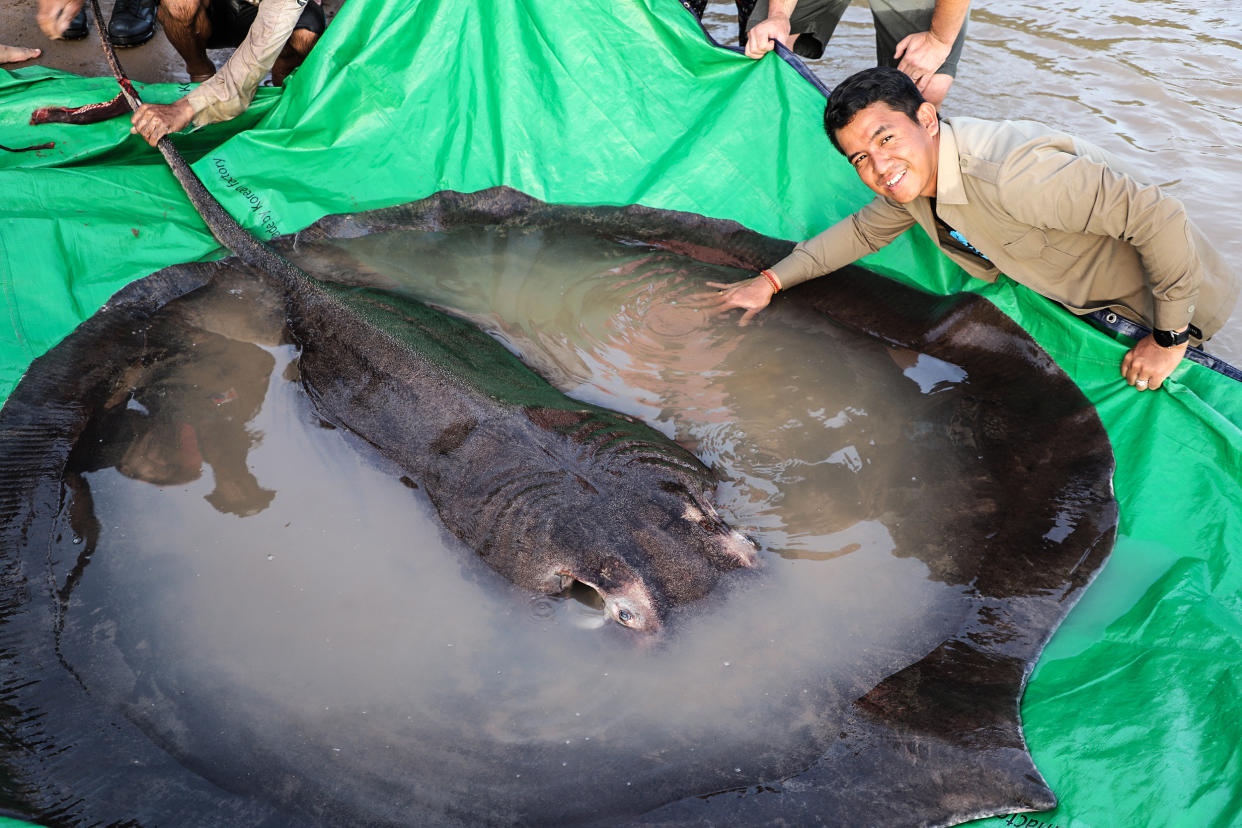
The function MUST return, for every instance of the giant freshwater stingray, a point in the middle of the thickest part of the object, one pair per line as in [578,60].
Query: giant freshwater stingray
[111,718]
[103,725]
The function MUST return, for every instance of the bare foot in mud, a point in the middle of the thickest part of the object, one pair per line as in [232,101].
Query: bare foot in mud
[16,54]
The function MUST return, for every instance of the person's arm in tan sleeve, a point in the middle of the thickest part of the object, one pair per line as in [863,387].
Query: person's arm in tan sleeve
[1086,195]
[228,93]
[845,242]
[1078,194]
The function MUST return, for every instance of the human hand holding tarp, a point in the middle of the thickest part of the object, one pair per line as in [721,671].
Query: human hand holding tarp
[774,27]
[1148,364]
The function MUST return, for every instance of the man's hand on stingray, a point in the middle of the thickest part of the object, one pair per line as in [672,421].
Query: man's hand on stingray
[752,296]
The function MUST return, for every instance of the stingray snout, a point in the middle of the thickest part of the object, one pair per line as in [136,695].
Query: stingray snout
[627,598]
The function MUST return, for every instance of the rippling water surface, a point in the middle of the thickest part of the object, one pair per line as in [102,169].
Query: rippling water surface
[1159,81]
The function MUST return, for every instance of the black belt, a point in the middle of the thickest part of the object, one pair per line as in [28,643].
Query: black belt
[1115,322]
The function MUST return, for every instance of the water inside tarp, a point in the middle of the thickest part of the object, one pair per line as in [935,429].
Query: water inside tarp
[268,599]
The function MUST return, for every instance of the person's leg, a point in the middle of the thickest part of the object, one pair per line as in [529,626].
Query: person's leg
[297,47]
[16,54]
[812,23]
[894,20]
[188,26]
[77,26]
[309,27]
[132,22]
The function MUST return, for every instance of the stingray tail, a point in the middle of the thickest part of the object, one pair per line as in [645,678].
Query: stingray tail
[91,113]
[222,225]
[48,145]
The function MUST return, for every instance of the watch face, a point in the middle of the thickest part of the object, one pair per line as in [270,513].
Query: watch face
[1167,339]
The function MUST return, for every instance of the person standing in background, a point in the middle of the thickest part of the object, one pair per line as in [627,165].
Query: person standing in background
[131,23]
[922,38]
[271,36]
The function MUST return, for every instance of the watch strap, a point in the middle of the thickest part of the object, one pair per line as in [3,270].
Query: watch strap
[1168,339]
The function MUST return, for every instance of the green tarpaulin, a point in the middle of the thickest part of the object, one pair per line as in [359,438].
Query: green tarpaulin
[1133,712]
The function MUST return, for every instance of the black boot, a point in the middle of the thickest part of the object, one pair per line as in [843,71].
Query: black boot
[133,22]
[77,26]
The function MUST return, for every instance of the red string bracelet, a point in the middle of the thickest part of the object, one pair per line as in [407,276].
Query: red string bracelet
[776,285]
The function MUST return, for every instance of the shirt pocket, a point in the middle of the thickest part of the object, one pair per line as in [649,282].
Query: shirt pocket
[1036,246]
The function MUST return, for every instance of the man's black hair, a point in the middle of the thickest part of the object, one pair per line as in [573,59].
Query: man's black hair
[879,84]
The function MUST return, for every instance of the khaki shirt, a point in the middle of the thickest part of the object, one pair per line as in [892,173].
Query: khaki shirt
[227,93]
[1055,213]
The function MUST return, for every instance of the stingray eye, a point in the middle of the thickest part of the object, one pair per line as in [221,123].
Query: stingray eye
[625,616]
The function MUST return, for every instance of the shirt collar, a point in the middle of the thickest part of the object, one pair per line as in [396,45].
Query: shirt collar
[949,188]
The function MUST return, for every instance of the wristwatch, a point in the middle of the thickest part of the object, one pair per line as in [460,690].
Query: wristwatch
[1167,339]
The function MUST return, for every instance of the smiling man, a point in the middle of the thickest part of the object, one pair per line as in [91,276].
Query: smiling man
[1053,212]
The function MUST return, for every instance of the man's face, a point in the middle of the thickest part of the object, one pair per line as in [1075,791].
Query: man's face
[893,155]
